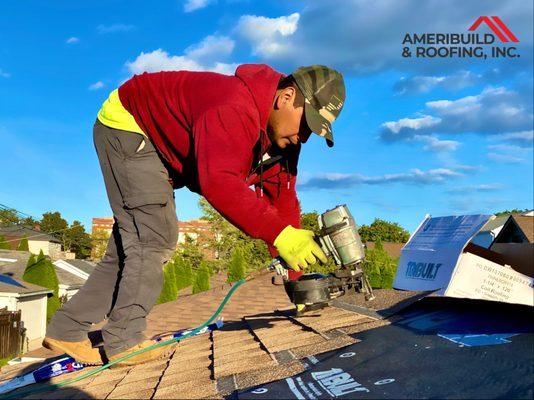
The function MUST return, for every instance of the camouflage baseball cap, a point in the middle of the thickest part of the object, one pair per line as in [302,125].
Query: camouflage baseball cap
[324,94]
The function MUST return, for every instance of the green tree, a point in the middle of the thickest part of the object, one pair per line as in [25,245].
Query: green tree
[31,261]
[3,244]
[237,268]
[379,267]
[23,244]
[169,291]
[54,224]
[77,240]
[190,251]
[226,238]
[183,272]
[201,281]
[99,243]
[8,217]
[41,272]
[514,211]
[309,221]
[385,231]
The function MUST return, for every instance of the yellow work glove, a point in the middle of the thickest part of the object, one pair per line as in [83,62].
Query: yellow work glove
[297,248]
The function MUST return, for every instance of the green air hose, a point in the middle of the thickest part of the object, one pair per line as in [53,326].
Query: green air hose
[154,346]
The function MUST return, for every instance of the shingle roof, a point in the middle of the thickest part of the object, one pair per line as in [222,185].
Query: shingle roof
[21,288]
[526,223]
[392,249]
[83,265]
[32,234]
[66,278]
[261,341]
[494,223]
[16,269]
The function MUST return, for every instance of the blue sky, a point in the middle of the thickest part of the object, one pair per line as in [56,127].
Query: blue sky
[416,136]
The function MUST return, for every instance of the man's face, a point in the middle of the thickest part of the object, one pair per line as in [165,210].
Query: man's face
[287,124]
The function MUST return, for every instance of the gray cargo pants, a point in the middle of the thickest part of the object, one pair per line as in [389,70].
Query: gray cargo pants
[127,282]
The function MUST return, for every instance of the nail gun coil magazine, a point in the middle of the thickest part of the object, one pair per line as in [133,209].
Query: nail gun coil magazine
[340,237]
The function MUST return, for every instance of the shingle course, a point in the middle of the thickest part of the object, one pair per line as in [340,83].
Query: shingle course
[258,325]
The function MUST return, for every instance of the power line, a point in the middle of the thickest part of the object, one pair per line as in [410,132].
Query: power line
[7,208]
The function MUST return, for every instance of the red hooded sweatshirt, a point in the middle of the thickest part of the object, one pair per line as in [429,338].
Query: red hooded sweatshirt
[210,130]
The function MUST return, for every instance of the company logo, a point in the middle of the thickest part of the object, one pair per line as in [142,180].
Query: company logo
[463,45]
[422,270]
[504,34]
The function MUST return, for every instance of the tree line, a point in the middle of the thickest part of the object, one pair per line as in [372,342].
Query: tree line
[72,237]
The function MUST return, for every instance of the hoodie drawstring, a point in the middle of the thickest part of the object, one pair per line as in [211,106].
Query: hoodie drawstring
[261,165]
[287,174]
[288,178]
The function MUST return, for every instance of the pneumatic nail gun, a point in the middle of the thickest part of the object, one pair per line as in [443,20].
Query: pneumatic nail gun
[340,240]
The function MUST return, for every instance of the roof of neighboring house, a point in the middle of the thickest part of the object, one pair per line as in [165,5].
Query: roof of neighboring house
[19,231]
[9,284]
[392,249]
[517,228]
[526,223]
[16,269]
[494,223]
[83,265]
[66,278]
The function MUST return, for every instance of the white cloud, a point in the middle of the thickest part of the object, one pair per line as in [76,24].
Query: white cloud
[522,138]
[415,176]
[114,28]
[505,158]
[96,85]
[484,188]
[424,84]
[160,60]
[207,55]
[4,74]
[411,123]
[508,148]
[212,47]
[192,5]
[495,110]
[509,153]
[433,143]
[365,36]
[72,40]
[456,107]
[269,36]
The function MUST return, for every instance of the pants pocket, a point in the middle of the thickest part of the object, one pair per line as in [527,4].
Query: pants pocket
[154,217]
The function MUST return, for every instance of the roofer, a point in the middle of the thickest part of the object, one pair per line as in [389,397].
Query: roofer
[217,135]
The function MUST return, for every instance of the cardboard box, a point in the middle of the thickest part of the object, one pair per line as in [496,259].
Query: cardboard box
[476,277]
[519,256]
[439,256]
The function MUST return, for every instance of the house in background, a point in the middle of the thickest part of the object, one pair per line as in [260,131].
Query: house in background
[392,249]
[15,294]
[37,240]
[489,231]
[72,275]
[30,300]
[515,241]
[198,230]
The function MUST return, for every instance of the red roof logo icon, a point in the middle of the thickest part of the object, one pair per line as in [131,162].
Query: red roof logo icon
[497,26]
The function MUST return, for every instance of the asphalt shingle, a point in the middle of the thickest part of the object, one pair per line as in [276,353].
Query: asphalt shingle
[260,342]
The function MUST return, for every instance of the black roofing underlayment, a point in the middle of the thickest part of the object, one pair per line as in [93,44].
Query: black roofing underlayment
[441,348]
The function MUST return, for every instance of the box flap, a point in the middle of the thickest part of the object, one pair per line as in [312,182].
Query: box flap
[428,259]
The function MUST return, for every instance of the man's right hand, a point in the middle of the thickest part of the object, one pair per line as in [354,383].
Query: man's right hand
[298,249]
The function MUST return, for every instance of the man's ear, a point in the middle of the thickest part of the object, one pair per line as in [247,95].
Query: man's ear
[285,96]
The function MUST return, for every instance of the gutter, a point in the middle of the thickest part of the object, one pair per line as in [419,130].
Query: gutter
[19,295]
